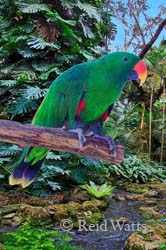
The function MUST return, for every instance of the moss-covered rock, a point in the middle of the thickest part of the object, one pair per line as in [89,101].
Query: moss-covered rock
[147,238]
[9,209]
[7,214]
[150,213]
[137,188]
[135,197]
[153,189]
[77,195]
[53,214]
[34,213]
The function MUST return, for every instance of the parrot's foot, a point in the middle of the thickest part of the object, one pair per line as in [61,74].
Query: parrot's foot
[110,142]
[81,135]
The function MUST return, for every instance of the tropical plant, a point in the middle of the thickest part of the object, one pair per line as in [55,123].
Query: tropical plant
[61,171]
[138,170]
[31,237]
[39,40]
[97,191]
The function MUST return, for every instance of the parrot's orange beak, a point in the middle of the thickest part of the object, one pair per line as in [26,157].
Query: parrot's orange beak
[141,70]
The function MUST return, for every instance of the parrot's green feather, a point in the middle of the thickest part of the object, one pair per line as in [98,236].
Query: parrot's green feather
[100,82]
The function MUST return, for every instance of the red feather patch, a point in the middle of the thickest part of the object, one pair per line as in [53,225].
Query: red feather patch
[81,107]
[105,115]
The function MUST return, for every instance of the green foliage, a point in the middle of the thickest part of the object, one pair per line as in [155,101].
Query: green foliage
[162,246]
[31,237]
[10,150]
[97,191]
[39,40]
[84,169]
[138,170]
[62,170]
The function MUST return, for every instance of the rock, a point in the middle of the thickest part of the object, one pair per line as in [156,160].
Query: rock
[123,220]
[152,202]
[134,242]
[150,213]
[16,221]
[58,212]
[6,222]
[94,204]
[9,209]
[77,195]
[147,238]
[153,189]
[100,203]
[160,188]
[137,188]
[152,246]
[45,201]
[119,197]
[157,186]
[34,213]
[135,197]
[151,193]
[36,201]
[88,210]
[9,216]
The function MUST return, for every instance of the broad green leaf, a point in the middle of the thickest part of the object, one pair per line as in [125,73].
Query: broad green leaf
[33,8]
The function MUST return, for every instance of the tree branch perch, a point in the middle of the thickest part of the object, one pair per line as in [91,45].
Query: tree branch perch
[57,139]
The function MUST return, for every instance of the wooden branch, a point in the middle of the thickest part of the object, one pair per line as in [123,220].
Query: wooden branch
[57,139]
[143,94]
[153,39]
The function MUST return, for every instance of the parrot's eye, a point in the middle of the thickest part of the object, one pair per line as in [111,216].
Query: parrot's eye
[125,59]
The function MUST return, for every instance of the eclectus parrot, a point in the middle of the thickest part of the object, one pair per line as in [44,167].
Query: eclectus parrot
[80,100]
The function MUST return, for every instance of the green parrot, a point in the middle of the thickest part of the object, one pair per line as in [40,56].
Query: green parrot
[80,100]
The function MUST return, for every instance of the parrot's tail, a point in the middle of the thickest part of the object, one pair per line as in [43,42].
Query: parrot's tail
[24,172]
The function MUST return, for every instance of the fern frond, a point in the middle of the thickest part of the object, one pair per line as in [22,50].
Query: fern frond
[54,185]
[67,4]
[26,53]
[39,43]
[9,150]
[31,93]
[86,29]
[45,75]
[90,10]
[41,66]
[4,160]
[34,8]
[4,24]
[26,76]
[53,156]
[21,105]
[8,83]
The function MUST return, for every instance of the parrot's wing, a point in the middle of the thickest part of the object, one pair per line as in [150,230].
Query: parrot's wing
[72,84]
[52,111]
[76,105]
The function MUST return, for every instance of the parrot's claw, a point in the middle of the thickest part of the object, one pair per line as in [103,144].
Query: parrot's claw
[81,136]
[110,142]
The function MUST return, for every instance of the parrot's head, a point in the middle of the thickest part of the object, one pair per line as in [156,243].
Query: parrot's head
[139,72]
[126,66]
